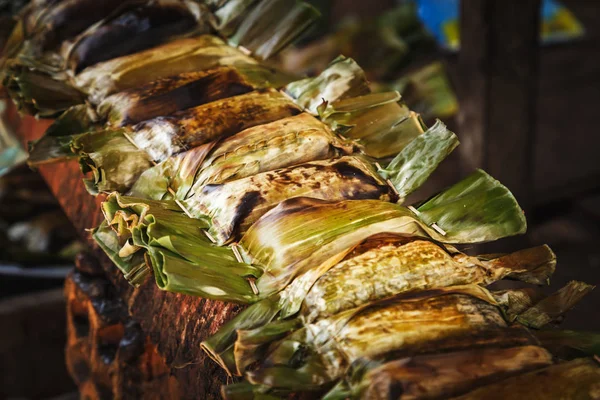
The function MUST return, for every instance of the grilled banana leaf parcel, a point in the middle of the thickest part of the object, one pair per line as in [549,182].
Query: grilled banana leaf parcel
[438,375]
[159,138]
[279,144]
[234,206]
[162,97]
[394,264]
[577,379]
[162,137]
[135,27]
[391,264]
[168,95]
[174,247]
[173,58]
[431,321]
[477,209]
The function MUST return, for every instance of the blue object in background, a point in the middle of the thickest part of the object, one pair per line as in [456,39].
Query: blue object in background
[441,18]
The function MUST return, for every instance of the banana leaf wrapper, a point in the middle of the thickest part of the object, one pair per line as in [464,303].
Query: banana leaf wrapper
[162,137]
[416,161]
[577,379]
[174,246]
[555,305]
[162,97]
[342,79]
[168,95]
[377,121]
[104,153]
[179,56]
[233,206]
[136,27]
[272,25]
[109,160]
[477,209]
[67,19]
[37,93]
[430,321]
[427,91]
[438,375]
[382,45]
[392,264]
[279,144]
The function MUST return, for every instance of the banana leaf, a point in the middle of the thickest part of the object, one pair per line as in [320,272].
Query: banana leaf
[427,91]
[290,141]
[113,161]
[168,95]
[342,79]
[67,19]
[159,98]
[417,161]
[173,58]
[181,257]
[381,125]
[104,152]
[429,321]
[162,137]
[173,178]
[382,45]
[552,307]
[438,375]
[477,209]
[392,264]
[577,379]
[272,25]
[230,14]
[234,206]
[135,27]
[38,93]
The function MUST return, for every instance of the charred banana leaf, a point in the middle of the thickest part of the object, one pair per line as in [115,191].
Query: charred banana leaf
[168,95]
[324,229]
[393,264]
[438,375]
[135,28]
[180,56]
[158,139]
[577,379]
[234,206]
[430,321]
[283,143]
[164,136]
[162,97]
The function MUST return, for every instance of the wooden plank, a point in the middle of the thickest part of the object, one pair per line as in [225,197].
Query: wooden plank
[175,323]
[498,66]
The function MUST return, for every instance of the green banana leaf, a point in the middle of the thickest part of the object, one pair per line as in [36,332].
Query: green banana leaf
[180,255]
[413,165]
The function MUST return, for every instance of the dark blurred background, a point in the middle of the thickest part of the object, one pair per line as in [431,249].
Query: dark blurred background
[521,93]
